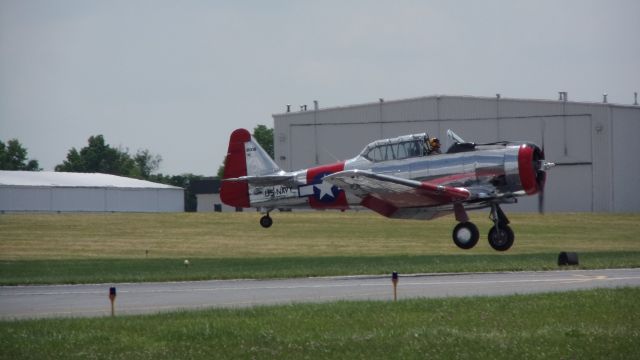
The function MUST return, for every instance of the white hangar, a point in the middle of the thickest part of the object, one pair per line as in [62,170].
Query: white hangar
[595,145]
[78,192]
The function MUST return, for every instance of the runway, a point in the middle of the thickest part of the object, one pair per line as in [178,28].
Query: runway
[19,302]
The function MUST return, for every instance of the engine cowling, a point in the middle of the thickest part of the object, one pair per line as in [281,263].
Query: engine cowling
[531,168]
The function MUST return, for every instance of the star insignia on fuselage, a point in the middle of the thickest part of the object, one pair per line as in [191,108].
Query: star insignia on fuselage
[324,189]
[321,190]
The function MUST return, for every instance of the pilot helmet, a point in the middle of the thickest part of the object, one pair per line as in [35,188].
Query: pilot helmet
[434,143]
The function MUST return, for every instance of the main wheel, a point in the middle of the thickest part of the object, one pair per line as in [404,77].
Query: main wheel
[501,238]
[266,221]
[466,235]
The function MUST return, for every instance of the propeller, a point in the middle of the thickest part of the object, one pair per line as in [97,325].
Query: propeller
[541,177]
[541,166]
[541,201]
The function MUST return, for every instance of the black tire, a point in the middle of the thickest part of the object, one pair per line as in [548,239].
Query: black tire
[501,239]
[466,235]
[266,221]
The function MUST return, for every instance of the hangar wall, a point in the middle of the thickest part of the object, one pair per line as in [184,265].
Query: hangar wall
[625,162]
[90,200]
[23,191]
[592,143]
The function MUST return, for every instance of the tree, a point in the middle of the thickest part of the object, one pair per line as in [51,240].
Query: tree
[13,156]
[147,162]
[98,156]
[264,137]
[221,168]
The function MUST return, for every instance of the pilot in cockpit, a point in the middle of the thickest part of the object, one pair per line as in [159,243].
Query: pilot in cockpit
[433,146]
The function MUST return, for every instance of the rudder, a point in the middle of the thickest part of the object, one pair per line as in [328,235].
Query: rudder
[235,193]
[245,157]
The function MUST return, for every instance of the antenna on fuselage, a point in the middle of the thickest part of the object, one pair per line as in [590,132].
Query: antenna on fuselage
[330,154]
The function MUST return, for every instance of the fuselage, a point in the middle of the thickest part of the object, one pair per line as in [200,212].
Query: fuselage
[498,165]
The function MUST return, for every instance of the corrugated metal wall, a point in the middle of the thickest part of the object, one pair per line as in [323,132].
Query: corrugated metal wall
[594,144]
[29,198]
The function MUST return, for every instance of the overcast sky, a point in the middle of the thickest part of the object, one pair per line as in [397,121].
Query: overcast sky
[176,77]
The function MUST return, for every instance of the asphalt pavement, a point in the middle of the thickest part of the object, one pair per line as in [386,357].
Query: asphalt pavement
[19,302]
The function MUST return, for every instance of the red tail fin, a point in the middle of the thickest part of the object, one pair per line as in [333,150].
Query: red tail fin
[236,193]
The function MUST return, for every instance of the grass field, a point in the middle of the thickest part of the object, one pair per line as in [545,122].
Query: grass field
[90,248]
[76,248]
[238,235]
[597,324]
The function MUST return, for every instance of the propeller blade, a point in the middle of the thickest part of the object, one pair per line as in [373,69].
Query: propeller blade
[541,201]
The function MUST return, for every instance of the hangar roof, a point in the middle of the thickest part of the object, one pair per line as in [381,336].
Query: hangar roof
[66,179]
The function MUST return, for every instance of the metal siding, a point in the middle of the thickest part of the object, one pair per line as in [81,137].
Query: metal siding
[281,143]
[303,147]
[554,138]
[90,199]
[205,202]
[409,110]
[466,108]
[626,166]
[578,139]
[602,157]
[569,189]
[25,199]
[131,200]
[78,199]
[341,142]
[520,108]
[357,114]
[529,129]
[170,200]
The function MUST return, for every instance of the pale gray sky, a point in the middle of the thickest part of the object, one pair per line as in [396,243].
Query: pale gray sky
[176,77]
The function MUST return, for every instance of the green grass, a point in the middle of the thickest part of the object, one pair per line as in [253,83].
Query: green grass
[596,324]
[306,234]
[23,272]
[93,248]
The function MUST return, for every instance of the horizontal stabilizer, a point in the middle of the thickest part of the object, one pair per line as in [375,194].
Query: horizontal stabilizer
[264,180]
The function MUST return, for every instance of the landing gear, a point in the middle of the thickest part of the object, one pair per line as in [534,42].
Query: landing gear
[501,236]
[466,235]
[266,221]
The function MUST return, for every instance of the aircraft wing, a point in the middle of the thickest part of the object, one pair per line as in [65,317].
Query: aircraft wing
[386,194]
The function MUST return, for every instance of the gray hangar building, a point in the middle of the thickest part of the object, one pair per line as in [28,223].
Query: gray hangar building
[45,191]
[596,146]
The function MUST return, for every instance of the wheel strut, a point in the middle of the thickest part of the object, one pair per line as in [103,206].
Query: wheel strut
[498,216]
[501,236]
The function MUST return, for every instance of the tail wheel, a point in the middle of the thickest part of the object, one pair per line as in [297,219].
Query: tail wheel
[501,238]
[466,235]
[266,221]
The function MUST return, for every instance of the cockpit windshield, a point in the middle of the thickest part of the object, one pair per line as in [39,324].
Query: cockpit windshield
[453,138]
[395,149]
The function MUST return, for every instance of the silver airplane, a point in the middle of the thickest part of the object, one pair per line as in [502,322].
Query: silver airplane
[402,178]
